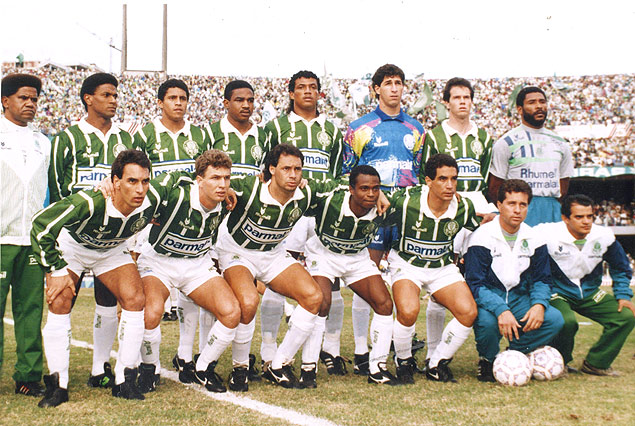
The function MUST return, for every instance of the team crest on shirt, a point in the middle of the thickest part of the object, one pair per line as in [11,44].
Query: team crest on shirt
[369,229]
[256,152]
[213,224]
[451,228]
[118,149]
[191,148]
[524,246]
[477,147]
[324,139]
[409,141]
[139,224]
[294,215]
[539,151]
[597,248]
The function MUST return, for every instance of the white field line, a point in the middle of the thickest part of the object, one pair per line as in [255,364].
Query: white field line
[285,414]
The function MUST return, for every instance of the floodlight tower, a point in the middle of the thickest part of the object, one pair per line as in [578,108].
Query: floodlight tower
[124,41]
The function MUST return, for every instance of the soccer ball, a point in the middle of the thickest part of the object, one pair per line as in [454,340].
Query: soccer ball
[546,363]
[512,368]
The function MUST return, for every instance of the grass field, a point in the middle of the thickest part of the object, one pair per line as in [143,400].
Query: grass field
[576,399]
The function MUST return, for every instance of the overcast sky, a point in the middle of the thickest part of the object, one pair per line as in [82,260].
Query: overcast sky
[478,38]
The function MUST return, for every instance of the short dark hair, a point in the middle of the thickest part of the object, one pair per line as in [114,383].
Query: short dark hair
[456,82]
[129,156]
[168,84]
[234,85]
[513,185]
[437,161]
[92,82]
[580,199]
[520,97]
[274,155]
[14,82]
[388,70]
[362,170]
[294,77]
[214,158]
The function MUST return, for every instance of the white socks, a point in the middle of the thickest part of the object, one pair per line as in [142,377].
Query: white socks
[381,332]
[271,309]
[206,321]
[402,338]
[104,332]
[188,316]
[242,343]
[453,337]
[130,337]
[334,321]
[150,347]
[301,324]
[56,337]
[361,318]
[435,321]
[218,339]
[312,345]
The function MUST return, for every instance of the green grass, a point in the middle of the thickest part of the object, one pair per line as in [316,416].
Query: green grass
[576,399]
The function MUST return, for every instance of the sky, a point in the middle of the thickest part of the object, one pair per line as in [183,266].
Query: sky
[347,38]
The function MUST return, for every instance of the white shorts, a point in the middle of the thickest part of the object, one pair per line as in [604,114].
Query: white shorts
[428,279]
[263,265]
[80,258]
[303,229]
[350,268]
[183,273]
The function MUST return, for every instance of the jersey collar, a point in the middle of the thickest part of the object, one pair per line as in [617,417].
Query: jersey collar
[346,209]
[185,130]
[294,118]
[195,201]
[385,117]
[112,211]
[450,213]
[227,127]
[451,130]
[88,128]
[267,198]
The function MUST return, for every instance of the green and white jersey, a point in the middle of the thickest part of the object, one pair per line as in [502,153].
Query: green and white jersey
[319,141]
[81,157]
[170,151]
[426,240]
[182,227]
[472,151]
[260,222]
[338,228]
[246,151]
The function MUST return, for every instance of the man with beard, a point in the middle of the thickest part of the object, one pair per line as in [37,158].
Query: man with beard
[534,154]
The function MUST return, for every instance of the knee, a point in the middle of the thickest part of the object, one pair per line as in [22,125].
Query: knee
[312,300]
[231,316]
[569,325]
[466,313]
[134,302]
[626,319]
[407,314]
[384,306]
[485,321]
[152,317]
[248,305]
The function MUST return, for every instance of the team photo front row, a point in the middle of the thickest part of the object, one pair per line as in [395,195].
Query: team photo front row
[214,236]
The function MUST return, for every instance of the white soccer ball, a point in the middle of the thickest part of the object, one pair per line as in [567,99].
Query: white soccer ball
[512,368]
[546,363]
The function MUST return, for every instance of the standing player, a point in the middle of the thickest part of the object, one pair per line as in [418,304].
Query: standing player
[23,168]
[320,142]
[577,249]
[428,218]
[176,255]
[346,222]
[86,231]
[81,157]
[459,137]
[536,155]
[507,269]
[392,142]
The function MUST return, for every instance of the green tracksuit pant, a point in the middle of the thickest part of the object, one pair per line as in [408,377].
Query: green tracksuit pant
[600,307]
[20,271]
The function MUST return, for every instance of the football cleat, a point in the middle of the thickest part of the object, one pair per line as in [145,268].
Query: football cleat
[485,371]
[335,365]
[589,369]
[148,379]
[308,375]
[187,374]
[383,377]
[254,374]
[406,370]
[238,380]
[210,379]
[54,394]
[282,377]
[103,380]
[128,389]
[360,367]
[29,388]
[178,363]
[441,373]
